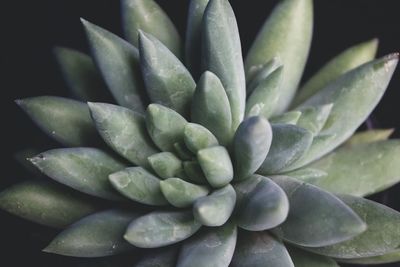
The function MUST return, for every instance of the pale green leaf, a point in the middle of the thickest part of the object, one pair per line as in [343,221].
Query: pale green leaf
[308,175]
[302,258]
[314,118]
[180,193]
[183,152]
[369,136]
[261,72]
[198,137]
[166,165]
[390,257]
[291,117]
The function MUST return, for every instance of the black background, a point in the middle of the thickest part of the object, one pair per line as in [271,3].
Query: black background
[30,29]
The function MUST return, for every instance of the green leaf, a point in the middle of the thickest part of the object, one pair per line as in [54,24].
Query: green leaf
[81,75]
[197,137]
[316,218]
[216,208]
[118,62]
[219,31]
[344,62]
[124,130]
[287,34]
[265,96]
[194,173]
[291,117]
[183,152]
[83,169]
[166,165]
[147,15]
[302,258]
[67,121]
[22,156]
[164,257]
[212,247]
[161,228]
[139,185]
[251,144]
[314,118]
[261,72]
[193,35]
[261,204]
[354,96]
[381,237]
[369,136]
[167,80]
[211,108]
[46,203]
[308,175]
[259,249]
[362,169]
[289,143]
[390,257]
[165,126]
[97,235]
[182,194]
[216,165]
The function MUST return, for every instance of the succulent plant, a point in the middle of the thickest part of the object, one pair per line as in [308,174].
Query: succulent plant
[209,161]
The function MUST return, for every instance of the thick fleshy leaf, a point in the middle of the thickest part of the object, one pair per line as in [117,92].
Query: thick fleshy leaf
[289,143]
[66,120]
[166,165]
[251,145]
[308,175]
[193,35]
[302,258]
[216,208]
[381,237]
[211,108]
[291,117]
[164,257]
[194,173]
[390,257]
[261,204]
[118,62]
[287,34]
[46,203]
[162,228]
[97,235]
[183,152]
[216,165]
[369,136]
[316,218]
[342,63]
[83,169]
[22,156]
[165,126]
[198,137]
[147,15]
[211,247]
[314,118]
[361,169]
[124,130]
[261,72]
[354,96]
[81,75]
[260,249]
[139,185]
[222,54]
[182,194]
[167,80]
[265,96]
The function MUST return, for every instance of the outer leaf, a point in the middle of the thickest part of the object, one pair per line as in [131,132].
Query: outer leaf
[316,218]
[261,204]
[308,175]
[165,257]
[84,169]
[197,137]
[182,194]
[289,143]
[219,31]
[118,62]
[81,75]
[124,130]
[212,247]
[166,165]
[168,82]
[369,136]
[361,169]
[261,72]
[46,203]
[216,208]
[390,257]
[216,165]
[97,235]
[251,145]
[211,108]
[344,62]
[194,172]
[354,96]
[260,249]
[302,258]
[314,118]
[286,34]
[159,229]
[164,126]
[139,185]
[68,121]
[291,117]
[193,35]
[381,237]
[147,15]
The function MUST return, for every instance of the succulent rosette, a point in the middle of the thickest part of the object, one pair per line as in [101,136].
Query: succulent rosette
[210,160]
